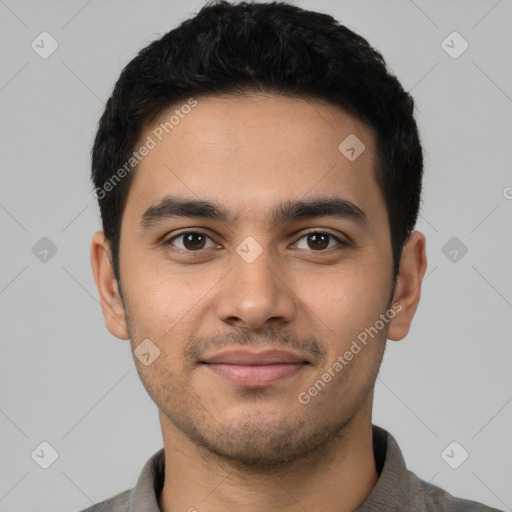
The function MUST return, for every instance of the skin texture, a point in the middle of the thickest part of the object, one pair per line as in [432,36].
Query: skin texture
[232,447]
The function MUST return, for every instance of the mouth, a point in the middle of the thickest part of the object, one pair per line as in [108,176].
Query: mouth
[255,369]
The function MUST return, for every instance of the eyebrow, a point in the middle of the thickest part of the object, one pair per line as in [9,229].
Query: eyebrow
[175,207]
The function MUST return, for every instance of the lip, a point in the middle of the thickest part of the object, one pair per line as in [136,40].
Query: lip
[250,358]
[255,369]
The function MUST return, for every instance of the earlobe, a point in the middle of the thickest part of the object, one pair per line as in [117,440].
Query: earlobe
[413,264]
[106,283]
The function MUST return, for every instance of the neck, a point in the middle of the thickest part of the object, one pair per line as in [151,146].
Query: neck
[340,478]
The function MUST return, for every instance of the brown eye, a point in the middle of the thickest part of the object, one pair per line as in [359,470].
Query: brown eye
[318,241]
[194,241]
[190,241]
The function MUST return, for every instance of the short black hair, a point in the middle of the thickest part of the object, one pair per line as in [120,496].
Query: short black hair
[272,47]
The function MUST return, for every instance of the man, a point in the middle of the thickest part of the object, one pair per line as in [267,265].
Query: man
[258,171]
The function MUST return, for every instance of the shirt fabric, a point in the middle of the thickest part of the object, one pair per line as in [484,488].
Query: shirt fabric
[397,488]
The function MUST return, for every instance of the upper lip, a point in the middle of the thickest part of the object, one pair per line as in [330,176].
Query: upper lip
[251,358]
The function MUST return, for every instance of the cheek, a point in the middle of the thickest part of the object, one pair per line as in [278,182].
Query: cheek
[163,302]
[159,309]
[346,301]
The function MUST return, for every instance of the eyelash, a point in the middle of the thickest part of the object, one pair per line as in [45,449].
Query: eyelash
[341,242]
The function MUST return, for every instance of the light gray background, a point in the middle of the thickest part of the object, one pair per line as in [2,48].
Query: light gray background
[65,380]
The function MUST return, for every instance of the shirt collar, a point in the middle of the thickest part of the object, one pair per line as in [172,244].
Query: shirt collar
[144,496]
[393,483]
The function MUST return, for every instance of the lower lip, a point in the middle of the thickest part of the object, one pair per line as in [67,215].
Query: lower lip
[255,376]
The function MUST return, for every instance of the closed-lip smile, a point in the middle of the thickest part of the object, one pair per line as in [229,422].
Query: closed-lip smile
[255,369]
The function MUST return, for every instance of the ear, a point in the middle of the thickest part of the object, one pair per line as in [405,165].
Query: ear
[111,304]
[413,264]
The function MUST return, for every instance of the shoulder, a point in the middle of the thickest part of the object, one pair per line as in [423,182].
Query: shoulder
[399,489]
[434,499]
[118,503]
[144,496]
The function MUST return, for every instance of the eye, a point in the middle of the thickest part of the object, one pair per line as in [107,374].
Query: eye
[318,241]
[195,241]
[191,241]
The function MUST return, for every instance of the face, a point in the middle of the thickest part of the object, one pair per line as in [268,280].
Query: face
[254,253]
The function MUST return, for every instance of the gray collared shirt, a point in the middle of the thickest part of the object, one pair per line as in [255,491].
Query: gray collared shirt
[397,489]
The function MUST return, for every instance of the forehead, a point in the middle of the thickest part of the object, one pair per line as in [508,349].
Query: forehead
[250,151]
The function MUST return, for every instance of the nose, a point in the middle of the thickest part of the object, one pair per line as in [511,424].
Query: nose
[255,294]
